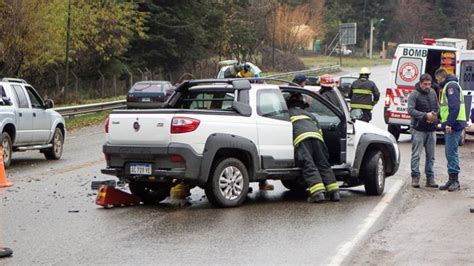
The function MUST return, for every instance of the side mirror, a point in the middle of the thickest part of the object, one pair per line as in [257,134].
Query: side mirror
[48,104]
[356,114]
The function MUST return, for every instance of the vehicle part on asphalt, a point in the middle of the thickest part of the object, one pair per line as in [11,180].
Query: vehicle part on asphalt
[109,197]
[5,252]
[95,185]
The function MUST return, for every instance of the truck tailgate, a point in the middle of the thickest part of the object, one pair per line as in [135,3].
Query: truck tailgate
[139,128]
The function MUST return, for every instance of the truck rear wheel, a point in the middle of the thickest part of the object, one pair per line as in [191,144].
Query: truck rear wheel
[55,152]
[373,173]
[7,149]
[228,183]
[394,130]
[150,192]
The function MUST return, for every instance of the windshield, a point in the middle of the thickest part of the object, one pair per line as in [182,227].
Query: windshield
[148,87]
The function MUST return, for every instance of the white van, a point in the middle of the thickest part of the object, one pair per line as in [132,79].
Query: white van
[409,63]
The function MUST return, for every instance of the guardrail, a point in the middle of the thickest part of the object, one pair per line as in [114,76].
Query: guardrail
[314,71]
[70,111]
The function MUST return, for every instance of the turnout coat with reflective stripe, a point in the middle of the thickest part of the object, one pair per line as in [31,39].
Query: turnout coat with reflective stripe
[364,94]
[305,125]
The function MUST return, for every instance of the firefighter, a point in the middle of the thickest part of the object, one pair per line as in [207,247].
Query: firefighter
[311,152]
[327,90]
[364,94]
[246,72]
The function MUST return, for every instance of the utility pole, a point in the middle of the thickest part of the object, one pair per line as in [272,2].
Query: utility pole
[68,37]
[371,37]
[273,38]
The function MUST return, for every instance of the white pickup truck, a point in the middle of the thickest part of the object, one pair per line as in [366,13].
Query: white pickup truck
[27,122]
[222,134]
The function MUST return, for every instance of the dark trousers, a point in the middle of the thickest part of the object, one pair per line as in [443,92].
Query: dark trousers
[366,115]
[312,156]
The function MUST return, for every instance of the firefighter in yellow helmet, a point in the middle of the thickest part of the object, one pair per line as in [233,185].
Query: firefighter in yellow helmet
[364,94]
[246,72]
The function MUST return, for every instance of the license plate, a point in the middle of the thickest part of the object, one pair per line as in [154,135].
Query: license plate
[146,100]
[140,169]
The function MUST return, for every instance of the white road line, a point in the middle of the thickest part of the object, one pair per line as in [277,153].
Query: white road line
[345,249]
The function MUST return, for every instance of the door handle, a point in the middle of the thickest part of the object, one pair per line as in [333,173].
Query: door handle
[34,114]
[20,114]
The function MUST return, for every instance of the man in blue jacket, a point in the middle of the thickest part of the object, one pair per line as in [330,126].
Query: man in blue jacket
[453,119]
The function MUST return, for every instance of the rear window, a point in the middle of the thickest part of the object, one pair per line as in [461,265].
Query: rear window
[206,100]
[148,87]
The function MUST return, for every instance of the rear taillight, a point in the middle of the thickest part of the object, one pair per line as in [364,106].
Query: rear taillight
[107,121]
[131,99]
[388,97]
[183,125]
[177,158]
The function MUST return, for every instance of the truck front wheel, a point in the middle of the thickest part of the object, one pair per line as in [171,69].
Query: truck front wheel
[150,192]
[228,183]
[373,173]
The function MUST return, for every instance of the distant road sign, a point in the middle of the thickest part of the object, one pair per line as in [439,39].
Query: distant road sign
[348,33]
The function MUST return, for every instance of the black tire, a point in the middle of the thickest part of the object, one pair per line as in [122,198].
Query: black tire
[293,185]
[394,130]
[236,182]
[373,173]
[7,149]
[56,151]
[150,192]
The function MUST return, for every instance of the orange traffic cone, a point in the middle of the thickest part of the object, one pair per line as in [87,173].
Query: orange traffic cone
[3,177]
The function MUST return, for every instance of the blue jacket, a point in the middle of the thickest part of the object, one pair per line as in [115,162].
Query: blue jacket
[454,103]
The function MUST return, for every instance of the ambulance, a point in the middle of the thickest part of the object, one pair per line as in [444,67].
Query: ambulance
[410,62]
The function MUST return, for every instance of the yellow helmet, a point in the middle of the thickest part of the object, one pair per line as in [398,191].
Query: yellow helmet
[364,71]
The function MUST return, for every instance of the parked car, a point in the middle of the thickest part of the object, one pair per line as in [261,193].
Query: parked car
[27,122]
[148,94]
[222,134]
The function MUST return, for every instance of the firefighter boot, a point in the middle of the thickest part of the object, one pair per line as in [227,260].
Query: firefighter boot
[415,181]
[455,186]
[317,197]
[316,193]
[430,182]
[334,195]
[448,184]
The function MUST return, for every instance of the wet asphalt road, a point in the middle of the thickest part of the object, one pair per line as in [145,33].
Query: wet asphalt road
[49,216]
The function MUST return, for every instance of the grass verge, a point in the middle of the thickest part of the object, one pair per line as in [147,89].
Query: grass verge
[74,123]
[318,61]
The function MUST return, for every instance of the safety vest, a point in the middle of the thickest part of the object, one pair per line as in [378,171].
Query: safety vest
[444,108]
[318,134]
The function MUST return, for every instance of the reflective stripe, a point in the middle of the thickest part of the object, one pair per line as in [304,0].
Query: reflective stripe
[332,187]
[316,187]
[306,135]
[362,91]
[298,117]
[361,106]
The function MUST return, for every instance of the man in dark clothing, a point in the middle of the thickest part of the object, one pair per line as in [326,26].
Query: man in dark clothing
[364,94]
[327,90]
[453,119]
[311,152]
[423,108]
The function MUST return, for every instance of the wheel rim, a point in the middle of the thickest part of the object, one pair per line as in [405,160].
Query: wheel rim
[57,144]
[231,183]
[380,173]
[6,150]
